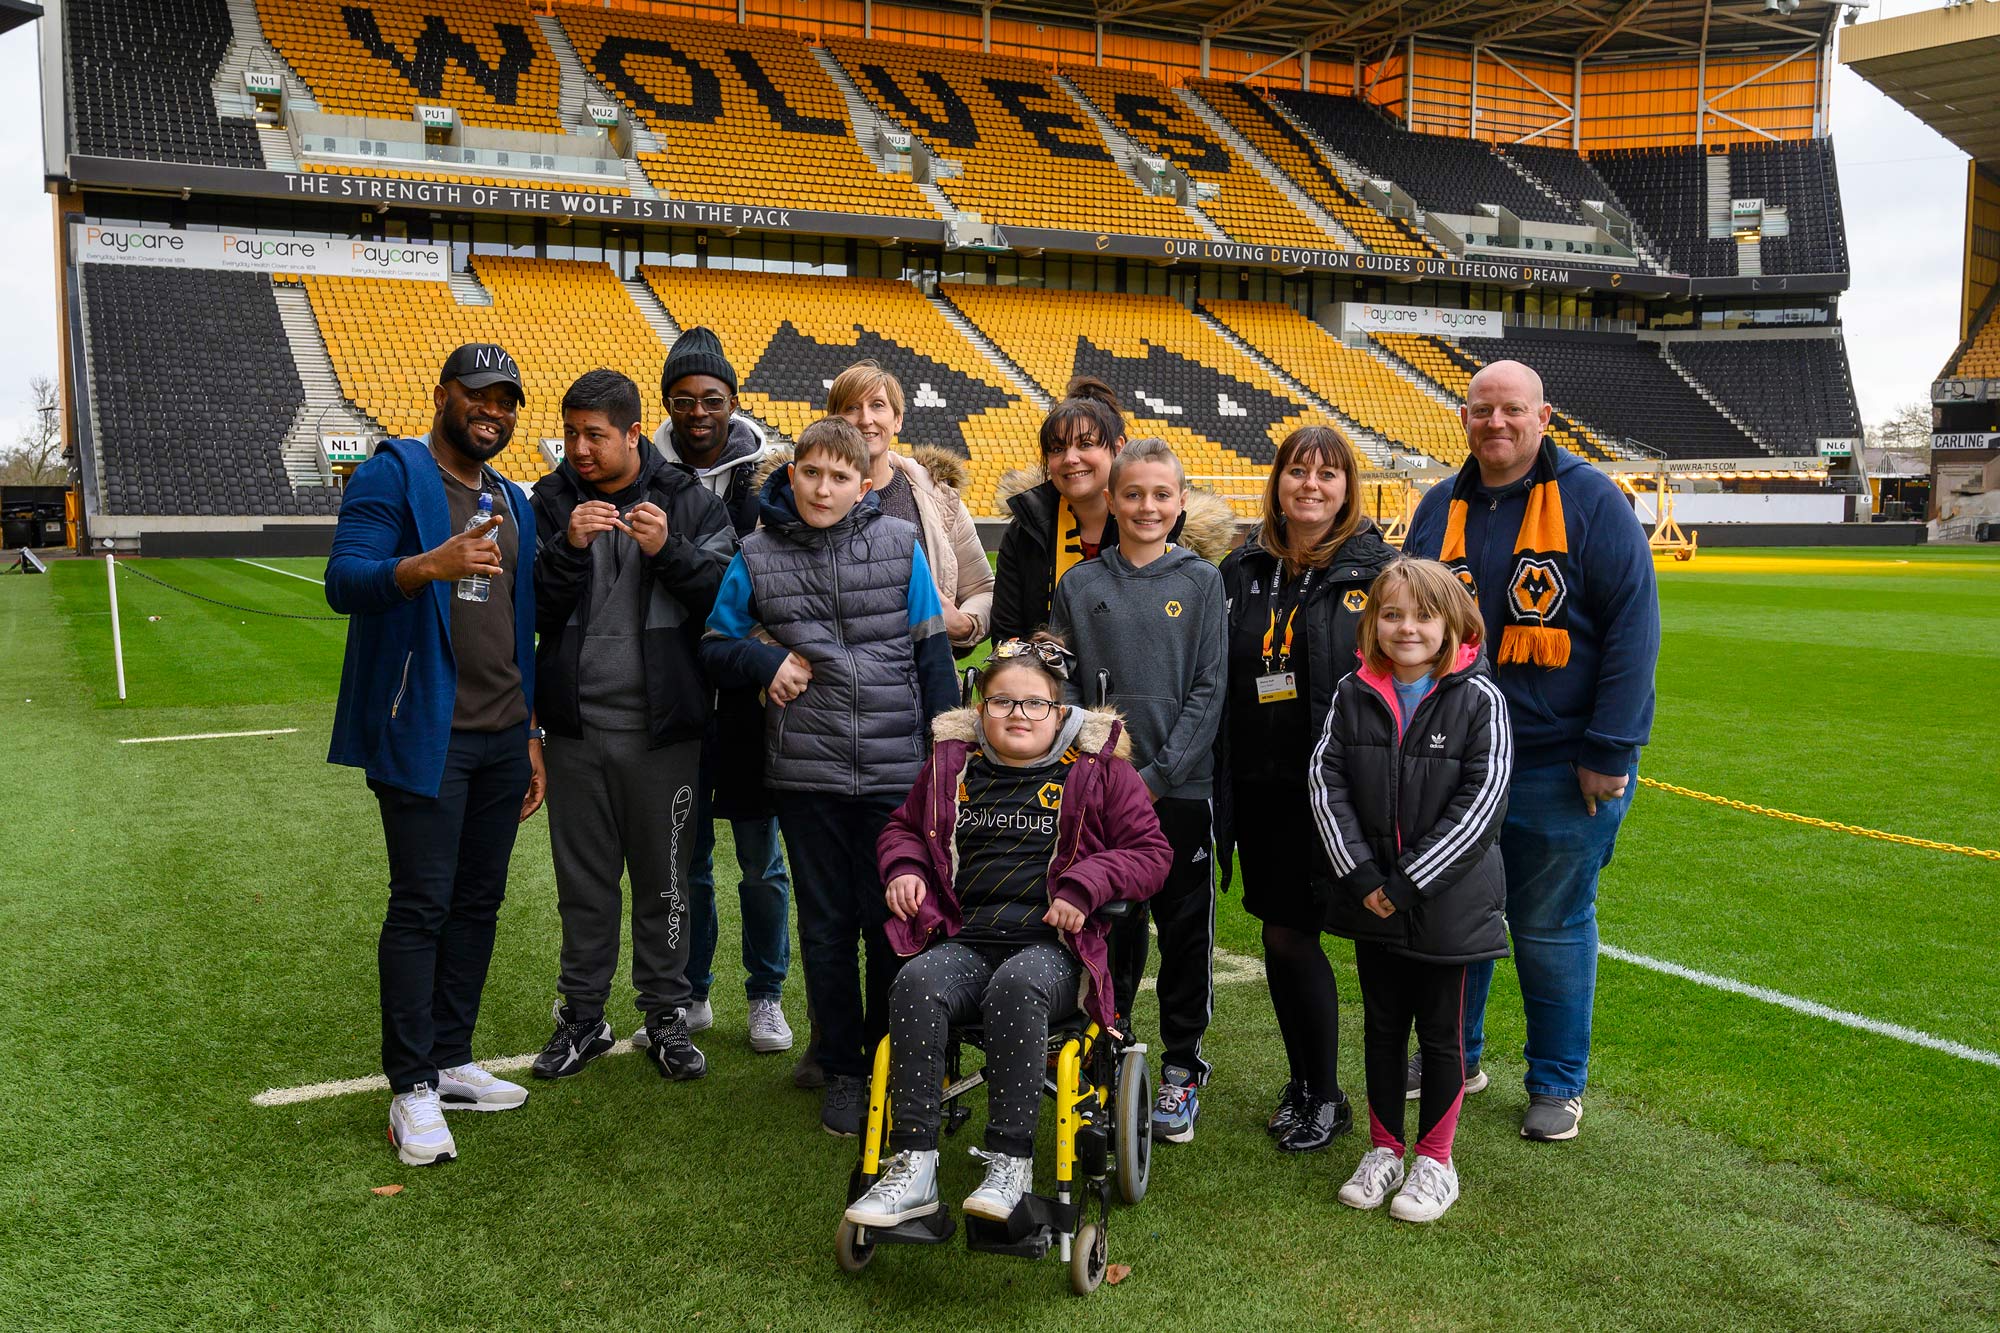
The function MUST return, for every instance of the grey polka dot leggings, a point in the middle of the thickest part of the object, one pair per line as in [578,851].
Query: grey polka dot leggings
[1014,991]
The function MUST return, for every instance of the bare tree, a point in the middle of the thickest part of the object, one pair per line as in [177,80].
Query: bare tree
[36,458]
[1908,427]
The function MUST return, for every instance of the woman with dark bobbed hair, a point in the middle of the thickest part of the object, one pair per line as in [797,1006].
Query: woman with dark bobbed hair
[1296,588]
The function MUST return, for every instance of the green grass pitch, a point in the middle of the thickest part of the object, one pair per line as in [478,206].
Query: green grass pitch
[189,924]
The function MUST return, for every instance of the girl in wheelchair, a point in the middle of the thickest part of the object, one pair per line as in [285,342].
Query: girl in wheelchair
[1026,820]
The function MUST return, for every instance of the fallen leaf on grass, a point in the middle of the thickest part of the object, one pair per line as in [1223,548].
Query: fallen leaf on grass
[386,1190]
[1116,1273]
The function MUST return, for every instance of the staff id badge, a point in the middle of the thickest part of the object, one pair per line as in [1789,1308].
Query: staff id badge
[1277,686]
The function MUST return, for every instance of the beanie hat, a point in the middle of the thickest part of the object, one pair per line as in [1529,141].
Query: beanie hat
[697,352]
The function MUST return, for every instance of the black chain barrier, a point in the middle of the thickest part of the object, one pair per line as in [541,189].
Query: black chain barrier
[216,601]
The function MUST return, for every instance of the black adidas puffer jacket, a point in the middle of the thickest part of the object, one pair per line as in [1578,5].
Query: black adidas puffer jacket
[1417,815]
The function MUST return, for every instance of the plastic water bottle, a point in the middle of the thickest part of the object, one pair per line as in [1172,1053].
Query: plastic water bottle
[478,587]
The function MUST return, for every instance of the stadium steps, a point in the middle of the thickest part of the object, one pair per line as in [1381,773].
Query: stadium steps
[248,50]
[1667,354]
[276,141]
[578,90]
[1720,225]
[867,123]
[1423,383]
[1373,446]
[90,381]
[1244,149]
[1126,154]
[668,331]
[466,289]
[1641,245]
[325,407]
[1023,382]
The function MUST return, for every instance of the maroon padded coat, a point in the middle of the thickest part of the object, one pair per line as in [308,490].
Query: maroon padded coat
[1108,843]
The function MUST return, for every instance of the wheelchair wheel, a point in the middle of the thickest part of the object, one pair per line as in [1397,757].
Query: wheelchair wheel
[1135,1127]
[1087,1259]
[849,1250]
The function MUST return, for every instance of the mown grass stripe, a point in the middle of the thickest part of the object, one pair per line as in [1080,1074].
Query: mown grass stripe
[1811,1008]
[303,578]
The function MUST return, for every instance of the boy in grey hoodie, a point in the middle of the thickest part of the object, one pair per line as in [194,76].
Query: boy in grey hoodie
[1152,616]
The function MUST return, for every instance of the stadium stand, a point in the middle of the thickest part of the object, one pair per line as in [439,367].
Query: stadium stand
[559,319]
[140,80]
[457,178]
[1347,377]
[1442,174]
[1667,193]
[788,336]
[1451,370]
[1799,174]
[1981,357]
[1567,172]
[1029,152]
[195,389]
[745,114]
[486,59]
[1246,206]
[1790,391]
[1246,112]
[1220,410]
[1623,387]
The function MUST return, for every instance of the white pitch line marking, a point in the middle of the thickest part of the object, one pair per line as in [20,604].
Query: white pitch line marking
[207,736]
[1811,1008]
[1230,968]
[303,578]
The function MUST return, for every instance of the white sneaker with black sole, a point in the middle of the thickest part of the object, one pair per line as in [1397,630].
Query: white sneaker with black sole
[417,1128]
[1430,1191]
[1380,1172]
[469,1088]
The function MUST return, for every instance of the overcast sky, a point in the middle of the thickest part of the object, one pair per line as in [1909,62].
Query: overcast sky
[1902,186]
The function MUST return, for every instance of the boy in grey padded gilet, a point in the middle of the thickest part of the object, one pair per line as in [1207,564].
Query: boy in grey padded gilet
[1158,627]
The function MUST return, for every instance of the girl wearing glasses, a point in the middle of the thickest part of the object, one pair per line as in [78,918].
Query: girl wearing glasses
[1025,820]
[1297,590]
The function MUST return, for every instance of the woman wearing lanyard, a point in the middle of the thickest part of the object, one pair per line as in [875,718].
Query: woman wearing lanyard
[1296,590]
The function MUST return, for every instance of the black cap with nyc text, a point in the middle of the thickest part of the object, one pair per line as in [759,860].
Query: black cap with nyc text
[477,365]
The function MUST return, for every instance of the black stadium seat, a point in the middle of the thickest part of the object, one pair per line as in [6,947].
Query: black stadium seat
[141,74]
[195,390]
[1791,391]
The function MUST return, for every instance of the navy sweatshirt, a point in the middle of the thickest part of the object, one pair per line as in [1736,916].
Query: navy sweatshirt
[1598,711]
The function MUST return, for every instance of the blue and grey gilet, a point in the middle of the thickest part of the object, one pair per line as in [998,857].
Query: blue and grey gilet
[839,598]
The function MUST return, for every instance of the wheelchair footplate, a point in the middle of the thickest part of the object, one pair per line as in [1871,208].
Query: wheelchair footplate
[1035,1225]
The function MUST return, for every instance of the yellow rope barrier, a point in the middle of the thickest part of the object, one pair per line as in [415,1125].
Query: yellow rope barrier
[1856,829]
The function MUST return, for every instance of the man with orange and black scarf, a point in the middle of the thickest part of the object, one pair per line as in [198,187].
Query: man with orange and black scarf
[1564,579]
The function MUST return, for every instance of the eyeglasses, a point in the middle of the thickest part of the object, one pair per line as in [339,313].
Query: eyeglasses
[713,405]
[1054,656]
[1035,710]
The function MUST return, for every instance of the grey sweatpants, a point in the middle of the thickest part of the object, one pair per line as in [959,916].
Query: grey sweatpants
[617,807]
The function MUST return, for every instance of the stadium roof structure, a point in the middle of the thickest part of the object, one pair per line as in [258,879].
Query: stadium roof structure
[13,13]
[1567,29]
[1943,65]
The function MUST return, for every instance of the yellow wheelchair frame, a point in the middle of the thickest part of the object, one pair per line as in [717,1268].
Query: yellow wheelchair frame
[1103,1128]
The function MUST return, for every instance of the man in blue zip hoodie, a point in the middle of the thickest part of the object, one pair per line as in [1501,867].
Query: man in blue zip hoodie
[1564,579]
[435,706]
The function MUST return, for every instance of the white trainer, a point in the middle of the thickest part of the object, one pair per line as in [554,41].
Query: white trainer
[1006,1181]
[768,1029]
[700,1016]
[417,1128]
[469,1088]
[1380,1172]
[907,1189]
[1432,1189]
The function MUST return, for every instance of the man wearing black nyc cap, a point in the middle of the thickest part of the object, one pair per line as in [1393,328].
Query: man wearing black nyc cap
[435,706]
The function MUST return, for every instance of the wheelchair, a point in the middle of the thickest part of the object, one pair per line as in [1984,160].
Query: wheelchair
[1099,1083]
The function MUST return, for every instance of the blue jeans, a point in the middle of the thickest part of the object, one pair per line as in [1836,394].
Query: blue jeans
[1553,849]
[766,895]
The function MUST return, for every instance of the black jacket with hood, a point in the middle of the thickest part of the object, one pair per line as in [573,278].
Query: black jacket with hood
[1414,807]
[735,469]
[1332,629]
[679,586]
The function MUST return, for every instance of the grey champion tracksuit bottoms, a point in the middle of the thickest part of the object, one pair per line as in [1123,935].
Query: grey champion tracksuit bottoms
[617,807]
